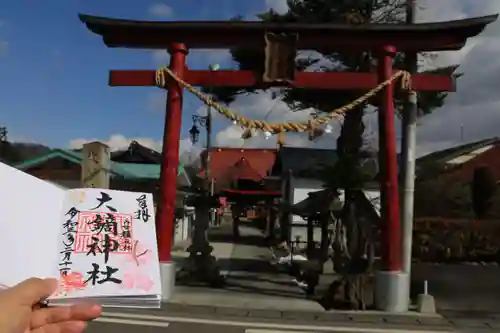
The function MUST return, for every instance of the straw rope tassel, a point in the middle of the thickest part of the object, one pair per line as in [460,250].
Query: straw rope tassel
[281,138]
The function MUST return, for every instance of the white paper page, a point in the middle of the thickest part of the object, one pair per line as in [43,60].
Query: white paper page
[30,224]
[114,252]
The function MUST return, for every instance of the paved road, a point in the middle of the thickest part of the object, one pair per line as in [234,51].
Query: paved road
[155,323]
[197,328]
[456,287]
[139,326]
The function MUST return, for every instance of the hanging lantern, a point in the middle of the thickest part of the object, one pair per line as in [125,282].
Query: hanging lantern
[194,134]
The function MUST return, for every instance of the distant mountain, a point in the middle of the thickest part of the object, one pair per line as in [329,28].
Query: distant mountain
[17,152]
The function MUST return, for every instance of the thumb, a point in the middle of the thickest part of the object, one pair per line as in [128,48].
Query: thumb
[32,291]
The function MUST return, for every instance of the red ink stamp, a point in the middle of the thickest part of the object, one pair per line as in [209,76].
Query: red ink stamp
[96,225]
[70,283]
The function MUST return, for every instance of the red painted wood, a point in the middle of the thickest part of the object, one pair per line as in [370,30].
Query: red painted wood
[391,226]
[342,81]
[170,157]
[438,36]
[251,192]
[347,42]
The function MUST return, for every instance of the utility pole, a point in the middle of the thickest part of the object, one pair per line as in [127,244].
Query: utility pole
[201,265]
[408,147]
[208,182]
[4,142]
[208,127]
[3,134]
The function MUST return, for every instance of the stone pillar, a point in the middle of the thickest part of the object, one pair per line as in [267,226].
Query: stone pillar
[96,165]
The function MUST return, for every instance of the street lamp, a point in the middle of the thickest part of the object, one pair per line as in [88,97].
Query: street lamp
[201,264]
[194,132]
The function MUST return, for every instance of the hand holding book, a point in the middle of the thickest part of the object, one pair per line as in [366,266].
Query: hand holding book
[100,244]
[20,313]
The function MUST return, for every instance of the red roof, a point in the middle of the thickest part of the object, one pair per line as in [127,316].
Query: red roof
[254,164]
[243,170]
[464,173]
[229,192]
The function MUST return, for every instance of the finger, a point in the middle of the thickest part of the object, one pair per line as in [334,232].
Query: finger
[64,327]
[54,315]
[32,291]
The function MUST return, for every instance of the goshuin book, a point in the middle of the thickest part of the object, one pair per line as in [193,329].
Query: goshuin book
[99,243]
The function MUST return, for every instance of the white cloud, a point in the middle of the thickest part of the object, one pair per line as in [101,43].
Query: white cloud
[474,107]
[472,112]
[262,106]
[279,6]
[212,57]
[160,10]
[119,142]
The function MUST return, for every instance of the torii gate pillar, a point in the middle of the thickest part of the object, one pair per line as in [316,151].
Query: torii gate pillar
[391,282]
[168,176]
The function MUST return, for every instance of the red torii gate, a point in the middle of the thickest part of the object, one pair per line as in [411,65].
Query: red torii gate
[383,39]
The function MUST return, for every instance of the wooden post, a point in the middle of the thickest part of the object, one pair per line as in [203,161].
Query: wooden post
[391,254]
[310,238]
[287,218]
[170,155]
[391,283]
[271,223]
[96,165]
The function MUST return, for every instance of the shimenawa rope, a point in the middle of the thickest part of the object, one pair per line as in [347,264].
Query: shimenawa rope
[164,73]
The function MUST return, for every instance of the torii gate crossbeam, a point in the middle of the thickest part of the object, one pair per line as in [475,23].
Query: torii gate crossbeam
[310,80]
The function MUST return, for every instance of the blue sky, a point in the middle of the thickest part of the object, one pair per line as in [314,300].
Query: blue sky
[54,72]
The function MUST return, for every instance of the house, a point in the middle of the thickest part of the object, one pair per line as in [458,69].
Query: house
[238,167]
[307,167]
[239,175]
[130,170]
[459,162]
[443,184]
[63,167]
[136,153]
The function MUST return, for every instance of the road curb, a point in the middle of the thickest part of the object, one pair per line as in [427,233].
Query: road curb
[262,326]
[412,319]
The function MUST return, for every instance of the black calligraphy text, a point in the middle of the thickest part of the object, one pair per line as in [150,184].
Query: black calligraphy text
[105,198]
[68,235]
[100,277]
[142,212]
